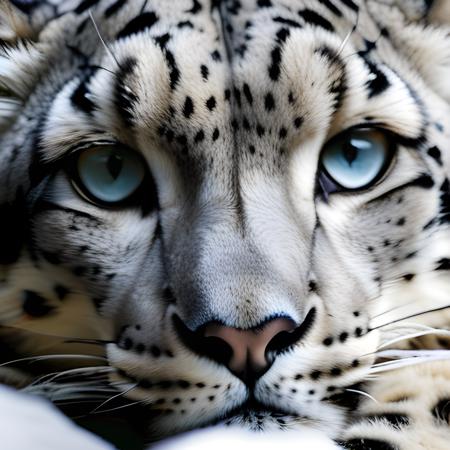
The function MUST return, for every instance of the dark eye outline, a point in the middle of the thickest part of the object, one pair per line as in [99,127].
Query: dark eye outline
[144,196]
[326,182]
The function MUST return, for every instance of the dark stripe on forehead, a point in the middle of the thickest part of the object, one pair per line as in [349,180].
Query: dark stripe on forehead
[124,97]
[80,98]
[313,18]
[114,8]
[328,4]
[139,24]
[377,82]
[85,5]
[351,4]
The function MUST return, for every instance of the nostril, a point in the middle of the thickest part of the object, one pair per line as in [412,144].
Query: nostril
[285,339]
[216,349]
[212,347]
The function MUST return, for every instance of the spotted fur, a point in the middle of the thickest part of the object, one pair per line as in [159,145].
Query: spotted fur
[230,104]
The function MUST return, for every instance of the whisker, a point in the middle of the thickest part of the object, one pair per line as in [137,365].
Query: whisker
[114,397]
[365,394]
[442,308]
[427,332]
[118,407]
[105,45]
[71,372]
[33,359]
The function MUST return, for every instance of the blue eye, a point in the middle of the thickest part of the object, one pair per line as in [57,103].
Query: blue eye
[356,159]
[108,174]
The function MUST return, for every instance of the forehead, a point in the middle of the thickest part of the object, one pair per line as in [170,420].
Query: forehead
[203,81]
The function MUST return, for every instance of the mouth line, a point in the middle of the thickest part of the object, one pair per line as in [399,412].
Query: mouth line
[253,406]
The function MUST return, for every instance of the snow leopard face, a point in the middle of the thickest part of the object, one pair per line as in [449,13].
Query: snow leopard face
[243,197]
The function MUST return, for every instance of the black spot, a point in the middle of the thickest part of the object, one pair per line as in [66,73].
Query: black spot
[85,5]
[252,149]
[174,71]
[211,103]
[162,40]
[60,291]
[260,130]
[408,276]
[196,7]
[211,398]
[139,24]
[155,351]
[199,136]
[35,305]
[401,221]
[184,384]
[443,264]
[247,93]
[435,153]
[185,24]
[227,94]
[204,71]
[264,3]
[274,68]
[313,18]
[176,401]
[331,7]
[356,313]
[316,374]
[311,392]
[378,82]
[269,102]
[282,133]
[114,8]
[328,341]
[335,371]
[343,336]
[145,384]
[188,108]
[367,444]
[215,134]
[299,376]
[355,363]
[282,35]
[200,385]
[444,210]
[358,331]
[394,419]
[298,122]
[215,55]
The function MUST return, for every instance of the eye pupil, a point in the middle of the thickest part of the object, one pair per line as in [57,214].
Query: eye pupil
[114,165]
[350,152]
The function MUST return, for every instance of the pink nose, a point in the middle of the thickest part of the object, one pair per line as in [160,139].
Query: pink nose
[249,346]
